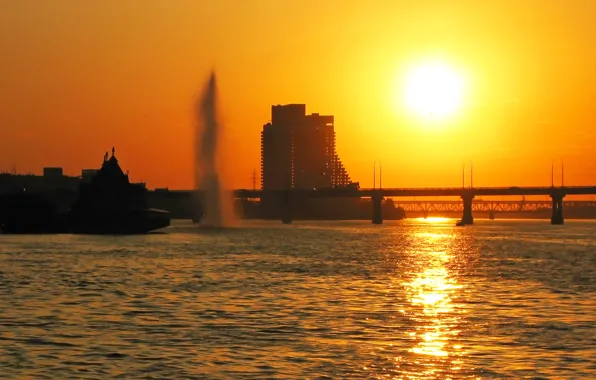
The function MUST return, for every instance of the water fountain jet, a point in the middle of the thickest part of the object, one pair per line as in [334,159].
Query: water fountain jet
[211,177]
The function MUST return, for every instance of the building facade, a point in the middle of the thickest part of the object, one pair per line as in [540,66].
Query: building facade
[298,151]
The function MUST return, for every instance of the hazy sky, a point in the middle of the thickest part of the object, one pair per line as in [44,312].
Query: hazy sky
[77,77]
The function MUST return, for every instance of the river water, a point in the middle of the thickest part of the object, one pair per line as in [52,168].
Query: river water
[314,300]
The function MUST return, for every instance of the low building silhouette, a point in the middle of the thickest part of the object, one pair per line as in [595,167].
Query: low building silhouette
[106,203]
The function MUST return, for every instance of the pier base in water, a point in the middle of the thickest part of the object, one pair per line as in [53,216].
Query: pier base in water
[467,218]
[377,214]
[557,216]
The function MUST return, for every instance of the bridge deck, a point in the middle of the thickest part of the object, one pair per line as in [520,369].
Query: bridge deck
[432,192]
[411,192]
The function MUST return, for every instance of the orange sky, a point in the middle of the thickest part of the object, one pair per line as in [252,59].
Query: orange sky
[77,77]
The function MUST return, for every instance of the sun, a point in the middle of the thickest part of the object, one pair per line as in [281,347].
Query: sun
[433,90]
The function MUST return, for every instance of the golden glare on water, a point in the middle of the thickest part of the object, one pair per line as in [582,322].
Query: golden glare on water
[433,219]
[430,294]
[432,291]
[433,90]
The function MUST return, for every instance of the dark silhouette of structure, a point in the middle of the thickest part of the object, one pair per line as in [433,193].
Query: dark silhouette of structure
[110,204]
[26,212]
[378,196]
[306,203]
[53,179]
[34,203]
[298,151]
[107,204]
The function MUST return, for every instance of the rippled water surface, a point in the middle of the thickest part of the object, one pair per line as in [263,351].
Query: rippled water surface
[326,300]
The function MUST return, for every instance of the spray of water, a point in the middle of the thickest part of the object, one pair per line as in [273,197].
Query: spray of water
[211,179]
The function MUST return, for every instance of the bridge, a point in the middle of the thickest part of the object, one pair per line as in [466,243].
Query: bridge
[377,195]
[425,192]
[492,207]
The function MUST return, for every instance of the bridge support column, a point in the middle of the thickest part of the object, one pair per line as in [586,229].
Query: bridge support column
[377,209]
[557,216]
[286,207]
[467,218]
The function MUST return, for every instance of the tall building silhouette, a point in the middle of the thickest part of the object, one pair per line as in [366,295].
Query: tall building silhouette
[298,151]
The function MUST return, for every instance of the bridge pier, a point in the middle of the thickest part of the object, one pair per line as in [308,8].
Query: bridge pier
[557,216]
[377,209]
[286,207]
[467,217]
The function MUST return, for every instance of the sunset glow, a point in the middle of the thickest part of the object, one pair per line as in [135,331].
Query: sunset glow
[422,87]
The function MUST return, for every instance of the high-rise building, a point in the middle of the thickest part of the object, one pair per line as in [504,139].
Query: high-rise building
[298,151]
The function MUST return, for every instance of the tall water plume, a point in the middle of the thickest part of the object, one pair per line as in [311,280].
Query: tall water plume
[212,175]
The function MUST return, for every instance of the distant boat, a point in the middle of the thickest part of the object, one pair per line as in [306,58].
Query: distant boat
[460,223]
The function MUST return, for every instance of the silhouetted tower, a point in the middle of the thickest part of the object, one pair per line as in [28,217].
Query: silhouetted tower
[298,150]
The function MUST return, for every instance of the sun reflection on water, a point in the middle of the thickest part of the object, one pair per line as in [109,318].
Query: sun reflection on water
[430,292]
[433,219]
